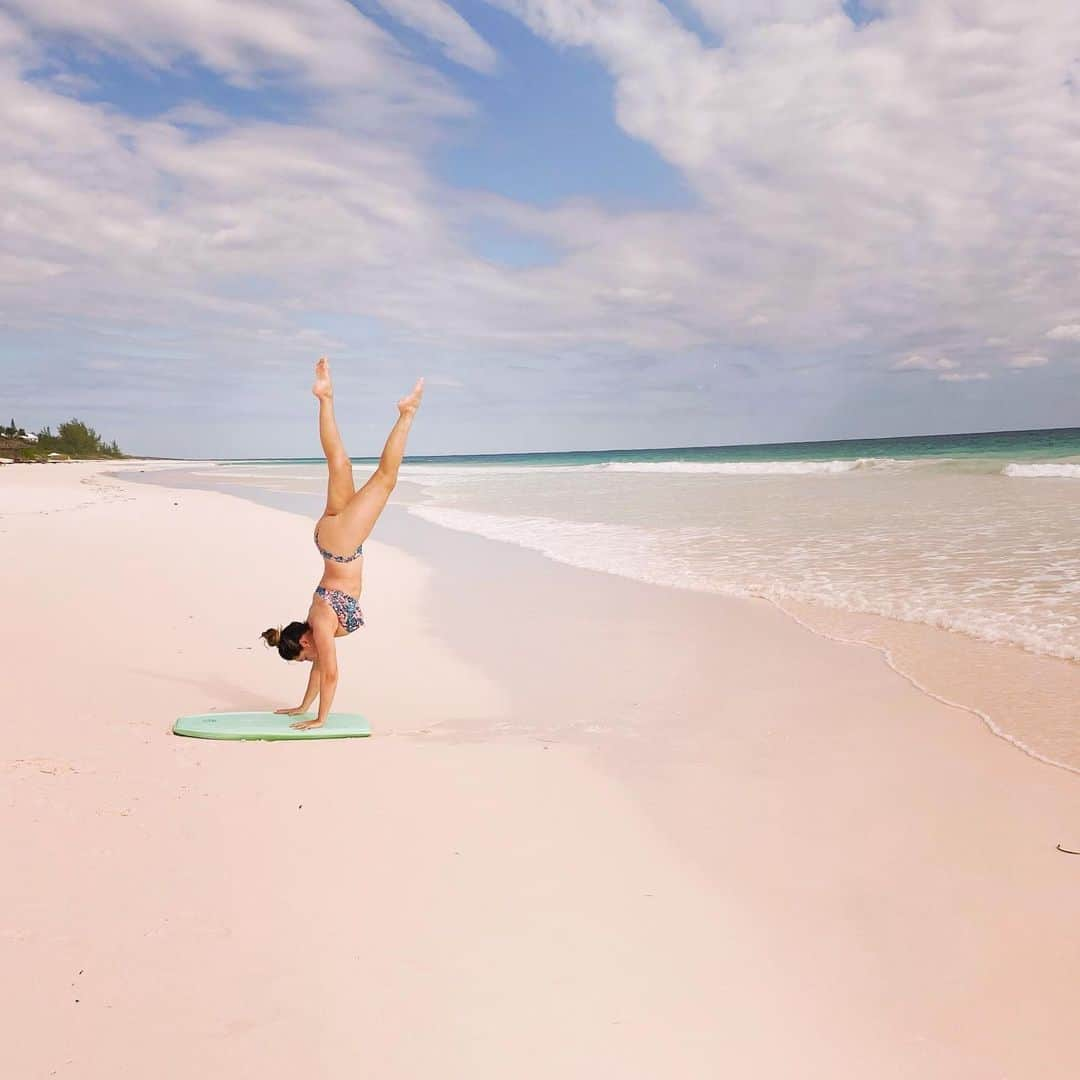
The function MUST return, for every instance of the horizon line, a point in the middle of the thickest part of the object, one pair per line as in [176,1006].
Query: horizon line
[632,449]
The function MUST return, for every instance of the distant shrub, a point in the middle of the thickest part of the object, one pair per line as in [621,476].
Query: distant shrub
[73,437]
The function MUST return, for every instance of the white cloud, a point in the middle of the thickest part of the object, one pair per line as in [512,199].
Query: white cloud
[916,362]
[814,148]
[726,16]
[195,114]
[325,43]
[443,24]
[964,376]
[12,36]
[819,147]
[1070,332]
[25,269]
[144,221]
[1030,361]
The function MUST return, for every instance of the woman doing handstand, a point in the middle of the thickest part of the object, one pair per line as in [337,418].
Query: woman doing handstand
[343,527]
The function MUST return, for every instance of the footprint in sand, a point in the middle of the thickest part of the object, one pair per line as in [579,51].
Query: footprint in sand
[43,765]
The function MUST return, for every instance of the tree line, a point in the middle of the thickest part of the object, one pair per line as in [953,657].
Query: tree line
[73,438]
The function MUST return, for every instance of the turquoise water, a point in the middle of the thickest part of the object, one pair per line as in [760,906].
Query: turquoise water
[1049,444]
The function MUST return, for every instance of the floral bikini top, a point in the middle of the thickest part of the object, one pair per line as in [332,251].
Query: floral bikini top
[337,558]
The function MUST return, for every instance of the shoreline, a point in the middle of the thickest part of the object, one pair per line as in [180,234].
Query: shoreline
[603,827]
[888,655]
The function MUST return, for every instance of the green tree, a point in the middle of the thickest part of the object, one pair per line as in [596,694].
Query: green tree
[75,437]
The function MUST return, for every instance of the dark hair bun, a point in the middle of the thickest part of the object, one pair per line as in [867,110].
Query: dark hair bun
[287,640]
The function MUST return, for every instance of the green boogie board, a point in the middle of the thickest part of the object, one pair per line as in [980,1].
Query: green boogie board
[269,726]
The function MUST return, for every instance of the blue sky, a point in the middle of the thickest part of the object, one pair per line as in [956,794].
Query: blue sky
[589,224]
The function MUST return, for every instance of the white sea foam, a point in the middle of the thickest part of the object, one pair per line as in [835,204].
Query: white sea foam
[618,549]
[1055,469]
[749,468]
[840,575]
[151,465]
[230,474]
[266,465]
[429,471]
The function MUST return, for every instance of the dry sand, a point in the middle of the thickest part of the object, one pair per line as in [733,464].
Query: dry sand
[602,829]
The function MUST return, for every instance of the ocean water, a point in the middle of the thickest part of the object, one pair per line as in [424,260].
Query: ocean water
[976,536]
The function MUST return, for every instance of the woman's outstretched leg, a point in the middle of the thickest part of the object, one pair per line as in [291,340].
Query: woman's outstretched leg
[359,516]
[340,486]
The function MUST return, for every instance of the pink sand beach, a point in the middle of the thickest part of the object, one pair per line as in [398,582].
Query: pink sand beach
[601,829]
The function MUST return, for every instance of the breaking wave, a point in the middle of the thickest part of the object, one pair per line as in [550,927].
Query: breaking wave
[1058,469]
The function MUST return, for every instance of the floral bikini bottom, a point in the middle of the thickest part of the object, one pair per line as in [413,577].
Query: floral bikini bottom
[346,607]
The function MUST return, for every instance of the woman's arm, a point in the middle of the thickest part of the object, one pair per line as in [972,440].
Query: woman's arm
[310,694]
[312,691]
[328,674]
[327,689]
[328,671]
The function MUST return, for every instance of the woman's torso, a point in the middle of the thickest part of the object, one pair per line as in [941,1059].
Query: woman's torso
[346,577]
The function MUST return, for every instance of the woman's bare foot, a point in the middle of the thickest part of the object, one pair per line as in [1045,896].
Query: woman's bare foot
[323,387]
[411,402]
[306,725]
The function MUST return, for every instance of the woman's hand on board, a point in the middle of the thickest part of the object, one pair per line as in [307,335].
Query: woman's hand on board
[291,712]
